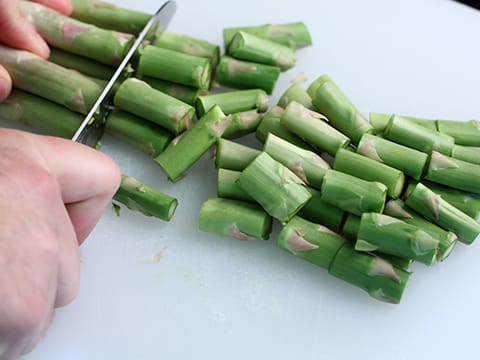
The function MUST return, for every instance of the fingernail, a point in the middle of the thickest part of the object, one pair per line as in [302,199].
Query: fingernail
[42,48]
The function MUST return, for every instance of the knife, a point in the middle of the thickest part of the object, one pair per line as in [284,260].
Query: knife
[91,129]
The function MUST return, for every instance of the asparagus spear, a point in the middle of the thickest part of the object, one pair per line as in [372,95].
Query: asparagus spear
[242,123]
[318,211]
[278,190]
[183,93]
[80,38]
[385,234]
[141,99]
[140,197]
[56,120]
[352,194]
[307,165]
[312,242]
[295,35]
[40,77]
[467,202]
[411,162]
[109,16]
[145,135]
[82,64]
[249,47]
[234,101]
[405,132]
[446,239]
[380,122]
[342,114]
[311,127]
[370,170]
[238,219]
[371,273]
[176,67]
[271,123]
[468,154]
[186,149]
[233,156]
[295,93]
[433,207]
[465,133]
[246,75]
[189,45]
[228,188]
[454,173]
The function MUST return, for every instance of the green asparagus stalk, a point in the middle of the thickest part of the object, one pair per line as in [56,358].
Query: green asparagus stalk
[40,77]
[411,162]
[186,149]
[176,67]
[320,212]
[371,273]
[351,226]
[408,133]
[311,127]
[465,153]
[296,93]
[350,231]
[105,46]
[145,135]
[58,121]
[312,242]
[243,123]
[329,100]
[234,101]
[277,189]
[352,194]
[307,165]
[271,123]
[233,156]
[249,47]
[228,188]
[82,64]
[393,236]
[446,239]
[433,207]
[455,173]
[294,35]
[109,16]
[238,219]
[141,99]
[246,75]
[370,170]
[465,133]
[379,122]
[467,202]
[189,45]
[137,196]
[183,93]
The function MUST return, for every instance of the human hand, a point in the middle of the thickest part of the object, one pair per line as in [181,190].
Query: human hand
[52,193]
[17,32]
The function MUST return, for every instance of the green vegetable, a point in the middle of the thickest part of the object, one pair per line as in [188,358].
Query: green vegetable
[183,93]
[233,156]
[243,123]
[234,101]
[277,189]
[140,197]
[468,154]
[240,220]
[228,188]
[296,93]
[320,212]
[141,99]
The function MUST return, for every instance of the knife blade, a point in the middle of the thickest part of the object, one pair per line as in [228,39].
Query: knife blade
[91,129]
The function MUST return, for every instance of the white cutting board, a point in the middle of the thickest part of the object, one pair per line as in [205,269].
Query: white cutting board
[156,290]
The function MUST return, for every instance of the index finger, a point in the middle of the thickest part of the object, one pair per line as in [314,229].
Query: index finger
[5,84]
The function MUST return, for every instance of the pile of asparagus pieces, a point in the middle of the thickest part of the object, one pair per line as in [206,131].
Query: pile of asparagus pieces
[363,199]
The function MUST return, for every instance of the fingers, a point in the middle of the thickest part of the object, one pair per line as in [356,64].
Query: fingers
[88,180]
[5,84]
[17,32]
[62,6]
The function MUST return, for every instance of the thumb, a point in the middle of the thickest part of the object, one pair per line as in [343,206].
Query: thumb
[5,84]
[17,32]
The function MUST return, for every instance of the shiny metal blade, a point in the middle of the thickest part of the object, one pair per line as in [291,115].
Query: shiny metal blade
[91,129]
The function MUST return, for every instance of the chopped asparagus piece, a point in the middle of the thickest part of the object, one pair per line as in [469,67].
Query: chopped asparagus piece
[243,123]
[227,186]
[234,101]
[464,132]
[183,93]
[296,93]
[468,154]
[233,156]
[321,212]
